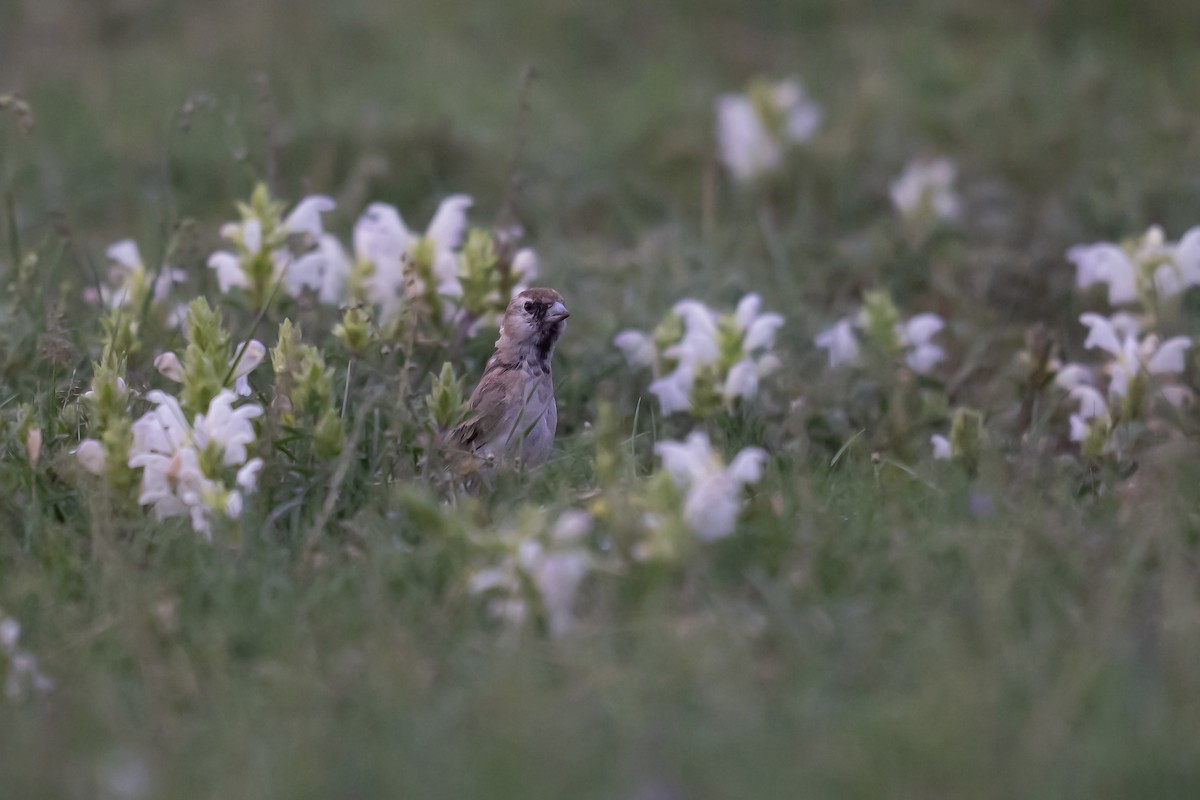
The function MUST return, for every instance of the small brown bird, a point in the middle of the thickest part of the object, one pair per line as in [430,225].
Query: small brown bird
[514,413]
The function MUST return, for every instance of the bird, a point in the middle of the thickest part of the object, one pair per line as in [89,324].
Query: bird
[513,415]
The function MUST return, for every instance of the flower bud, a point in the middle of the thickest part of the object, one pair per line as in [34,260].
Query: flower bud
[33,445]
[446,400]
[878,319]
[170,366]
[354,332]
[329,435]
[247,357]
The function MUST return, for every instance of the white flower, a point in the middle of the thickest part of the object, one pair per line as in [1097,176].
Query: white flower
[382,240]
[230,430]
[1072,375]
[554,563]
[230,274]
[915,335]
[163,449]
[842,343]
[325,270]
[558,570]
[1147,261]
[169,452]
[637,346]
[169,365]
[699,345]
[712,491]
[698,348]
[449,223]
[306,216]
[758,328]
[557,577]
[22,673]
[1186,258]
[1166,358]
[10,634]
[91,456]
[246,357]
[927,187]
[749,144]
[231,267]
[941,447]
[251,243]
[1176,395]
[1091,402]
[742,381]
[729,353]
[1107,263]
[1131,356]
[1093,411]
[802,115]
[525,269]
[674,390]
[126,272]
[572,526]
[380,234]
[747,148]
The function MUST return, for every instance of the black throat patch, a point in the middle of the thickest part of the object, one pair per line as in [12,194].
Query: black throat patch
[545,343]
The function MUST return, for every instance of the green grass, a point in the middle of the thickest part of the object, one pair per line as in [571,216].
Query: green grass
[864,634]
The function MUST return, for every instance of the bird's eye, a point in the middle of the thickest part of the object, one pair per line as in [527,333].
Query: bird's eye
[528,307]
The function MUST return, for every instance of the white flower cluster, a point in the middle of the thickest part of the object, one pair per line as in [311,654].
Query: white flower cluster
[390,264]
[712,491]
[128,278]
[914,338]
[382,241]
[21,673]
[246,358]
[1142,269]
[755,129]
[553,565]
[185,465]
[701,358]
[925,190]
[90,452]
[1135,361]
[260,241]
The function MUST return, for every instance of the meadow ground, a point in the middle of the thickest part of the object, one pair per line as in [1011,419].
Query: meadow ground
[1021,620]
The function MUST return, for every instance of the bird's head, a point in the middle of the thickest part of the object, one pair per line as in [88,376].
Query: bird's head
[534,318]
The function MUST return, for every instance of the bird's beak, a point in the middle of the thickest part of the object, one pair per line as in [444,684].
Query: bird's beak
[557,312]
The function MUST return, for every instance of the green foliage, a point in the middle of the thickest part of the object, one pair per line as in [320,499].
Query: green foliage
[447,399]
[206,369]
[879,318]
[487,281]
[354,331]
[304,393]
[967,439]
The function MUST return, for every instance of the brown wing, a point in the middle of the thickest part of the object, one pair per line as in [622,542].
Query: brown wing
[488,402]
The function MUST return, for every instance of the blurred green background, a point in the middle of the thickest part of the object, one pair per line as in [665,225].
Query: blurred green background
[1071,120]
[1055,97]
